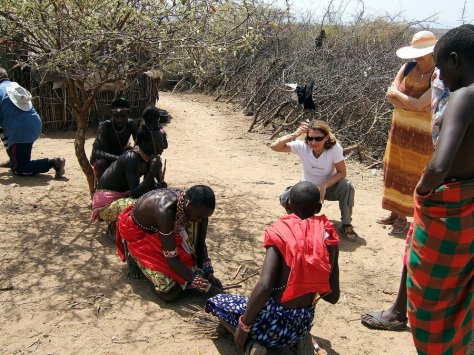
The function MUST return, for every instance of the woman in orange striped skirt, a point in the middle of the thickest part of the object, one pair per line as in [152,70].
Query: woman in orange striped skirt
[409,145]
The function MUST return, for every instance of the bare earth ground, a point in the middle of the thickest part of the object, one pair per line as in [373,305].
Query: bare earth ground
[64,290]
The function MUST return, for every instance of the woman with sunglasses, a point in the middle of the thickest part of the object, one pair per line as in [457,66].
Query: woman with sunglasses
[324,166]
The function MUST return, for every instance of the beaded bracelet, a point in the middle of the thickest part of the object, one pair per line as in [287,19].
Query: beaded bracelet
[200,283]
[170,253]
[244,327]
[207,267]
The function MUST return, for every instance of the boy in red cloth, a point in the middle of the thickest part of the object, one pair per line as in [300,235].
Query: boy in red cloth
[301,263]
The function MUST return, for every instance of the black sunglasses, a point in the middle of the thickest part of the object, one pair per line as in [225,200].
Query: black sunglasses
[317,139]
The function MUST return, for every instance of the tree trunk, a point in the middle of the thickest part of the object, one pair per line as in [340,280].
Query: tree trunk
[81,104]
[79,142]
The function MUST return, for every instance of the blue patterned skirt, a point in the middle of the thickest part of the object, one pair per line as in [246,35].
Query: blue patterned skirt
[274,327]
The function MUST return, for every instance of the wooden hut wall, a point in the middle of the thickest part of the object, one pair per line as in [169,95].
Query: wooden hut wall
[140,93]
[53,106]
[56,112]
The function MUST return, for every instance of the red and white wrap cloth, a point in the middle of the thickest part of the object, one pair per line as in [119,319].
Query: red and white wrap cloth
[102,199]
[146,246]
[302,243]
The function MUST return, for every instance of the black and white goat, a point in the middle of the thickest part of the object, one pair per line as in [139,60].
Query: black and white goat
[303,94]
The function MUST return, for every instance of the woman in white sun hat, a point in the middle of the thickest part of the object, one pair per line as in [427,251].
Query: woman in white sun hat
[409,145]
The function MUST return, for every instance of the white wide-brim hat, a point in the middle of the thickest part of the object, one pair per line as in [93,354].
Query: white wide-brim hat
[423,43]
[20,97]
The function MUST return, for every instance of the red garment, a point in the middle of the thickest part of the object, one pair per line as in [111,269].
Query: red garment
[302,245]
[146,246]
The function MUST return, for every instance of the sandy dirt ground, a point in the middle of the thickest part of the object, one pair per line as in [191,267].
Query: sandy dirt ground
[64,290]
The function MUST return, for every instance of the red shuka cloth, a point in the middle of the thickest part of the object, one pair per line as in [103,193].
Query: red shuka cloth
[146,246]
[302,245]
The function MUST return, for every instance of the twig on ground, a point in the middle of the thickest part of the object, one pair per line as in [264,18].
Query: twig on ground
[373,165]
[244,272]
[146,340]
[36,342]
[237,272]
[246,278]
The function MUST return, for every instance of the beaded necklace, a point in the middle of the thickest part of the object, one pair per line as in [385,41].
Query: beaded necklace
[279,288]
[180,217]
[117,135]
[137,150]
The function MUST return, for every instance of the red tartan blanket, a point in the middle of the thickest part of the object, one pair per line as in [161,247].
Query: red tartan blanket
[440,273]
[146,246]
[302,244]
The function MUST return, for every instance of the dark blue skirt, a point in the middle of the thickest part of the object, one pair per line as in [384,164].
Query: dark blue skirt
[274,327]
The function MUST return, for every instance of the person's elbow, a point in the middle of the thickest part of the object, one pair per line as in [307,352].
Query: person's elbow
[438,168]
[333,297]
[264,286]
[341,172]
[274,147]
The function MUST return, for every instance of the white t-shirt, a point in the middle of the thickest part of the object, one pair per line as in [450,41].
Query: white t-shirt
[316,170]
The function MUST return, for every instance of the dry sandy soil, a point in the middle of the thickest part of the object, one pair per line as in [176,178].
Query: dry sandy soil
[63,289]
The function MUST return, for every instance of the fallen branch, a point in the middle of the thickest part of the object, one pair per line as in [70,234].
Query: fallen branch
[246,278]
[146,340]
[237,272]
[373,165]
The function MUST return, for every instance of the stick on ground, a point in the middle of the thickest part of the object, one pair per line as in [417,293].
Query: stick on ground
[237,272]
[244,272]
[248,277]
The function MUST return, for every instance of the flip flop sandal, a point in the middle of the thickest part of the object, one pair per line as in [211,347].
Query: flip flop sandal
[399,228]
[318,350]
[387,220]
[377,321]
[254,348]
[345,233]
